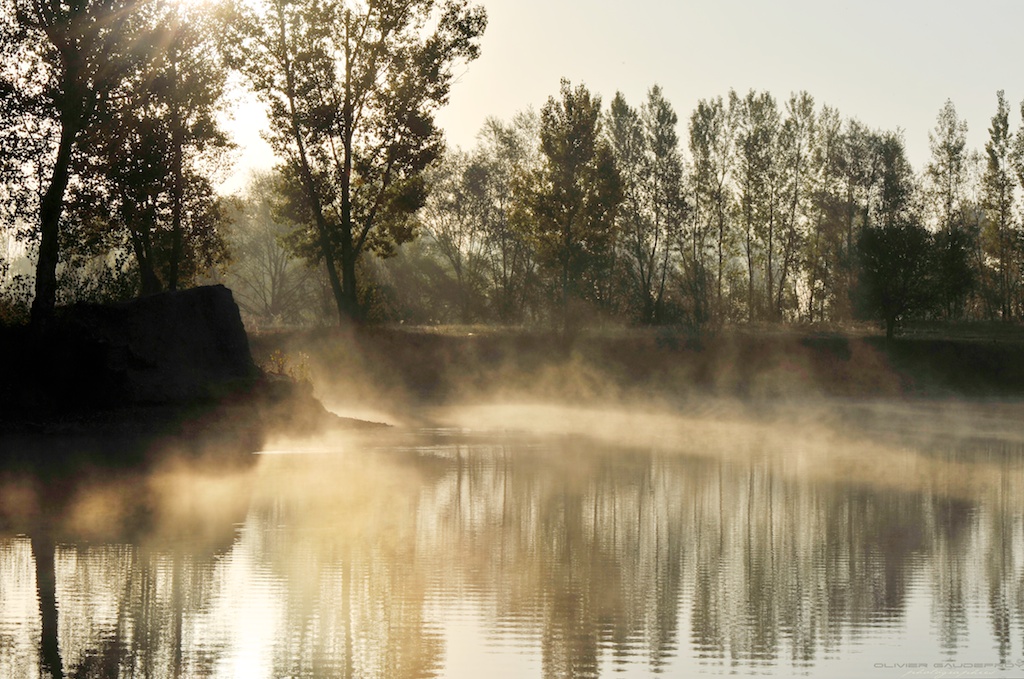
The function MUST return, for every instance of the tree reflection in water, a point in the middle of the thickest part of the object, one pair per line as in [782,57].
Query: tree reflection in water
[588,556]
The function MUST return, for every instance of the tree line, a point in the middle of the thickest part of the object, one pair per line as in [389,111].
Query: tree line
[110,118]
[777,213]
[751,210]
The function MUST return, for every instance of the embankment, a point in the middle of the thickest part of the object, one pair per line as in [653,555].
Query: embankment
[389,367]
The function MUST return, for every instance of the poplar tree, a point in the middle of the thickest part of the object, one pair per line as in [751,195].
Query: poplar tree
[712,147]
[1000,232]
[946,174]
[646,148]
[575,196]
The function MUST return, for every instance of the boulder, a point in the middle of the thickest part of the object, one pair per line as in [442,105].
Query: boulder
[171,347]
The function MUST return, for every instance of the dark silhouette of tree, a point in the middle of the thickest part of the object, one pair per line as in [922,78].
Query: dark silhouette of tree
[72,59]
[352,90]
[574,199]
[149,176]
[895,271]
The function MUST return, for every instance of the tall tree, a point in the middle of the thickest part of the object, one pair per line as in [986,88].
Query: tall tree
[71,59]
[646,148]
[577,191]
[795,143]
[946,173]
[758,188]
[824,245]
[506,157]
[155,149]
[352,89]
[1000,233]
[858,168]
[712,142]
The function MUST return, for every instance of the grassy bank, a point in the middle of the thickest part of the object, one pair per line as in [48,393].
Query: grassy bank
[388,367]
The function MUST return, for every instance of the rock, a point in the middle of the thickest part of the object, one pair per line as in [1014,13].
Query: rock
[118,383]
[171,347]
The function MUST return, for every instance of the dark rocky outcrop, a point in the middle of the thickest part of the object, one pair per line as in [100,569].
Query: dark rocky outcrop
[125,376]
[169,349]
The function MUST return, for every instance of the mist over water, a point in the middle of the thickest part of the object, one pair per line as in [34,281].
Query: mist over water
[543,540]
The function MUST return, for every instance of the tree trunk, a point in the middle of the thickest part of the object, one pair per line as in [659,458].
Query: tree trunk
[177,169]
[50,209]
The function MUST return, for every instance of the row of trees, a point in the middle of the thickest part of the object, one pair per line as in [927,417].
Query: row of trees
[781,213]
[108,118]
[109,125]
[111,142]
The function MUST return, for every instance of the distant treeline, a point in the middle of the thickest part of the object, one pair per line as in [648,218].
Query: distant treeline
[756,210]
[777,213]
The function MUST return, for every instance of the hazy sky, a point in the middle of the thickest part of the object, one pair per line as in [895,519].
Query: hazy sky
[889,63]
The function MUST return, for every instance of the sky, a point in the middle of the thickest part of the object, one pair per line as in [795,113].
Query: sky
[889,63]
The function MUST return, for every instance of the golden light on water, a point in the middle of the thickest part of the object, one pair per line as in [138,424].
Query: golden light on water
[653,540]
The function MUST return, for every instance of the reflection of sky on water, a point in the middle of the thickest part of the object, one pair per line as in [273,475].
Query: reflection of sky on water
[555,556]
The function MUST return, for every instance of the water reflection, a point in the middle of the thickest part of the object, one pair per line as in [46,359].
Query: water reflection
[552,556]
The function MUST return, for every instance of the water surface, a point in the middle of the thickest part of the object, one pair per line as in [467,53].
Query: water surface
[858,544]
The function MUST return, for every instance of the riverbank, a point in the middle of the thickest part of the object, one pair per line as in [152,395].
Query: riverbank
[395,367]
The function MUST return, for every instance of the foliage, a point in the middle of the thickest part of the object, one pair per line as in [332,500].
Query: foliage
[271,285]
[573,201]
[1000,234]
[352,89]
[651,217]
[62,66]
[896,268]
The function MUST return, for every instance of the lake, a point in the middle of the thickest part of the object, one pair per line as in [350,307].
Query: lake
[849,539]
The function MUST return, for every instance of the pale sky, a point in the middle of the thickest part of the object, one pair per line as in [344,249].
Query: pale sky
[889,63]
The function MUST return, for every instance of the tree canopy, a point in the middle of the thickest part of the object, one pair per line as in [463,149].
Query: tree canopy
[352,89]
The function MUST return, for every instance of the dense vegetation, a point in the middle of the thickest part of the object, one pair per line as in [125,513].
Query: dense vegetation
[749,210]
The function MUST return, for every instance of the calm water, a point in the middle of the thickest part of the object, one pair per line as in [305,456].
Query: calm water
[821,545]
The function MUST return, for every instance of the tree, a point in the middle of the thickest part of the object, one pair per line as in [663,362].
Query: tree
[576,193]
[270,284]
[1000,233]
[71,58]
[758,188]
[451,217]
[712,141]
[506,157]
[823,251]
[946,173]
[895,267]
[646,149]
[148,177]
[352,90]
[795,141]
